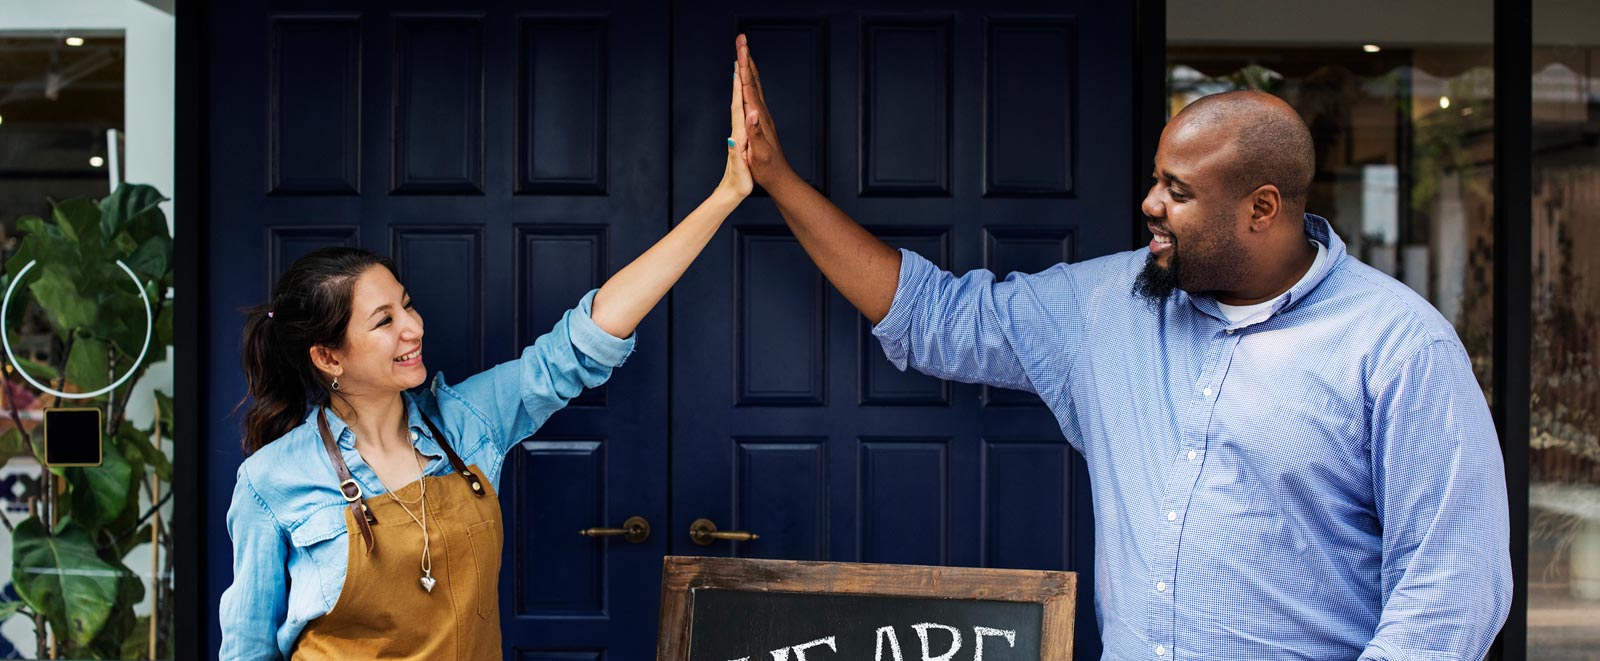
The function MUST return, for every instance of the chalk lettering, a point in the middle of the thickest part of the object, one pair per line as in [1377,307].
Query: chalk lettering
[927,653]
[979,632]
[887,633]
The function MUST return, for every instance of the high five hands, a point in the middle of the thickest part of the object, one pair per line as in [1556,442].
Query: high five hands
[763,154]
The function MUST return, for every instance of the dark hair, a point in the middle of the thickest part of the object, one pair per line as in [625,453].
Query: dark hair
[310,306]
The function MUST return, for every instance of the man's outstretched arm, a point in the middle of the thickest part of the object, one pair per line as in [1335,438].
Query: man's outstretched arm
[862,267]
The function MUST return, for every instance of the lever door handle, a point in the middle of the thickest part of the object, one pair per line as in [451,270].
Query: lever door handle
[635,530]
[704,532]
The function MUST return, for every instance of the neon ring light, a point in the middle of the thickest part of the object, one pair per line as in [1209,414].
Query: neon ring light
[5,338]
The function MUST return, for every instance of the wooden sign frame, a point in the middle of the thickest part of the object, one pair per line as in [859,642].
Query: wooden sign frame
[1056,591]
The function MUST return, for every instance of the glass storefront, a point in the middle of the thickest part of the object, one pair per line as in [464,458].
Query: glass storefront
[1399,99]
[1564,442]
[86,162]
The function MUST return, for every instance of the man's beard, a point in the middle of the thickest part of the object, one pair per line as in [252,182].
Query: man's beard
[1155,283]
[1215,265]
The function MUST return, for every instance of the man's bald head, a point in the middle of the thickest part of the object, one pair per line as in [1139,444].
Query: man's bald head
[1271,143]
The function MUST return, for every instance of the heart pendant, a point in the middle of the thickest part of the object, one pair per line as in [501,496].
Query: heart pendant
[427,583]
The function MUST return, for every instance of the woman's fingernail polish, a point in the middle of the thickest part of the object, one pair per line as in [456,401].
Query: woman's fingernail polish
[730,142]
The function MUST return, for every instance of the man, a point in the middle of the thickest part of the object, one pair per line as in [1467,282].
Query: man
[1289,454]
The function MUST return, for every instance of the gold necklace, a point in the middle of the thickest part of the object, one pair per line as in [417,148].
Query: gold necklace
[427,553]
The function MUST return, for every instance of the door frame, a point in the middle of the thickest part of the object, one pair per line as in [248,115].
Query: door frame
[190,350]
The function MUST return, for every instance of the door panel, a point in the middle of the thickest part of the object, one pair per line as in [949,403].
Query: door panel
[963,134]
[508,159]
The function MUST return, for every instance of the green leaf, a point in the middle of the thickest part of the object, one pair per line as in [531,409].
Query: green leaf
[122,624]
[164,408]
[137,442]
[137,644]
[78,219]
[13,445]
[61,577]
[9,608]
[163,336]
[88,365]
[128,543]
[130,204]
[39,371]
[123,245]
[31,226]
[152,259]
[57,292]
[100,493]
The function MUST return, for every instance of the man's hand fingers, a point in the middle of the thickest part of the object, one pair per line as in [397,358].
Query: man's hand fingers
[755,79]
[747,73]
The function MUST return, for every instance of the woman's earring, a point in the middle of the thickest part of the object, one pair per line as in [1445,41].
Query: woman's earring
[336,383]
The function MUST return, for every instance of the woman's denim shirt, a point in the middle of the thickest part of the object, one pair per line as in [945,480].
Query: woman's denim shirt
[287,515]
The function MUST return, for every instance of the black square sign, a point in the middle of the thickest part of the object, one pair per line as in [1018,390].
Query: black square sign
[72,437]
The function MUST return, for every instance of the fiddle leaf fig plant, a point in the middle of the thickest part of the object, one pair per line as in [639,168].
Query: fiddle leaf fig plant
[69,557]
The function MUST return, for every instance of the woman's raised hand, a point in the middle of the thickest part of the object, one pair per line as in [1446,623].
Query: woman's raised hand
[736,175]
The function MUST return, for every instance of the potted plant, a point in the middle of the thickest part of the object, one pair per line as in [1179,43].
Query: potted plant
[69,555]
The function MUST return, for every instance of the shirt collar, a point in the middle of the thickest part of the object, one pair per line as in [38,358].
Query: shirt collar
[346,439]
[1317,229]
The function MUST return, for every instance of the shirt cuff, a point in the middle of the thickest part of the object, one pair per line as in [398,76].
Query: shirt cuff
[892,330]
[1380,650]
[595,343]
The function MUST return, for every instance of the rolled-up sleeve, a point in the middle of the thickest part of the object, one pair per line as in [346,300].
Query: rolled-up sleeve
[975,330]
[253,609]
[520,395]
[1439,481]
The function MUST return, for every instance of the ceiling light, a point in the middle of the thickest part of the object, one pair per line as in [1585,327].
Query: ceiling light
[1444,102]
[74,41]
[2,120]
[96,161]
[1371,48]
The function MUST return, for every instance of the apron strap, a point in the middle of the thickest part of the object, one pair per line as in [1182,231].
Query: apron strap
[347,485]
[455,460]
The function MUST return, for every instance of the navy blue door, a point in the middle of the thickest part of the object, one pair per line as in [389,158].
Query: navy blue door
[994,138]
[509,158]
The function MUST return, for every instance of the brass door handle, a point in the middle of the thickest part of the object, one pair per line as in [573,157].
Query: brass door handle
[635,530]
[704,532]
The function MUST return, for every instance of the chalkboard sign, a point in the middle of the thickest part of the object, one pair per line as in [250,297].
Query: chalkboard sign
[730,609]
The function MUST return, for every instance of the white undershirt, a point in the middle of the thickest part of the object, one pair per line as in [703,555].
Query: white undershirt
[1239,313]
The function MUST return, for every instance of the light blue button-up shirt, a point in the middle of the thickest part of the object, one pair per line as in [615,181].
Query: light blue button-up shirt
[1322,483]
[287,515]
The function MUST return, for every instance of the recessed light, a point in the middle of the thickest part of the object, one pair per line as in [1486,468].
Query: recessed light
[1371,48]
[1444,102]
[96,161]
[74,41]
[2,120]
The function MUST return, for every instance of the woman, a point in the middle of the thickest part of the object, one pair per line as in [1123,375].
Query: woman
[364,520]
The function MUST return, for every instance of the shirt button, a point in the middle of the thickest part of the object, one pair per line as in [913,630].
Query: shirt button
[1207,393]
[1161,651]
[1161,586]
[1172,516]
[1192,455]
[1230,331]
[413,436]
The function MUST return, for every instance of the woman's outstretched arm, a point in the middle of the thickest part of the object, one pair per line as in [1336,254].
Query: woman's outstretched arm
[630,294]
